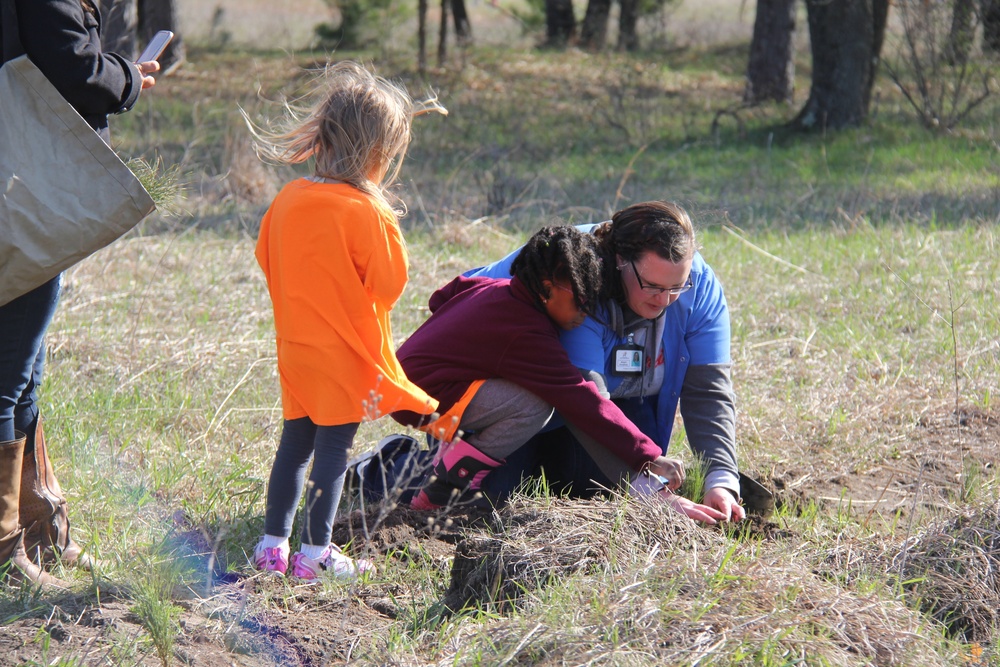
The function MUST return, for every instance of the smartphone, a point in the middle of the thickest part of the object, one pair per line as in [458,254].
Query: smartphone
[156,46]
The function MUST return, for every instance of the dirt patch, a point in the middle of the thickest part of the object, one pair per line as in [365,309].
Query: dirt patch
[944,454]
[106,631]
[247,619]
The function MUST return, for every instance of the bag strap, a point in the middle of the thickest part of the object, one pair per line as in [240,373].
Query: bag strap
[12,47]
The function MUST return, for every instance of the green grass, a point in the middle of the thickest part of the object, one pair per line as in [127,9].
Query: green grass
[164,408]
[514,133]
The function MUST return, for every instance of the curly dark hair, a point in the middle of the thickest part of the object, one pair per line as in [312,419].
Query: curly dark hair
[658,226]
[561,253]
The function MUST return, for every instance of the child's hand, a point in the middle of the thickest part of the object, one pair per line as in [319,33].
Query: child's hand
[671,470]
[693,510]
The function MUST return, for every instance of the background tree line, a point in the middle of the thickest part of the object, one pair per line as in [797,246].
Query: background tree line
[935,65]
[846,39]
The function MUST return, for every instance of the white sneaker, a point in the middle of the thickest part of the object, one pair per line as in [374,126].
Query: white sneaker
[332,563]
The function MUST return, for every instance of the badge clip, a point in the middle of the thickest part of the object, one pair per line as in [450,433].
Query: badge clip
[628,358]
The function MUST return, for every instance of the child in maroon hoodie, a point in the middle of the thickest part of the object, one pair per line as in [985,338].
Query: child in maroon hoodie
[490,353]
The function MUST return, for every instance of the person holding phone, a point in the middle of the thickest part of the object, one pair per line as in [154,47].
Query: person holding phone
[63,39]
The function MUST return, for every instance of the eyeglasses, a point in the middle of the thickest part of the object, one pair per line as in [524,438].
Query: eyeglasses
[653,289]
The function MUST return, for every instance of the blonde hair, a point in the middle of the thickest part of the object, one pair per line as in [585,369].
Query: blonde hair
[358,131]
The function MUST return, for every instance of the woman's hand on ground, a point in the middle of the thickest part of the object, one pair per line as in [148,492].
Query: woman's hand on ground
[722,500]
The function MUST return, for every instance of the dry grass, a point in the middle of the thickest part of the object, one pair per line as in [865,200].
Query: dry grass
[952,569]
[592,537]
[163,391]
[866,367]
[625,583]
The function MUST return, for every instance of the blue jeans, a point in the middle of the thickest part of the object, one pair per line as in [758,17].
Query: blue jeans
[23,323]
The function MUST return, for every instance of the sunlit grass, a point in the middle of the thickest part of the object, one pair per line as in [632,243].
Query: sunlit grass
[860,268]
[654,130]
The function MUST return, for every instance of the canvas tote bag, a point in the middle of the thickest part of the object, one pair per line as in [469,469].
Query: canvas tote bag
[64,193]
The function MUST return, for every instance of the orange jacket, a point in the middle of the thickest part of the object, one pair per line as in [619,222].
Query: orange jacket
[335,264]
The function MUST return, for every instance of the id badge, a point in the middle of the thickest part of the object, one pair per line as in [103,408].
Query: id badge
[628,358]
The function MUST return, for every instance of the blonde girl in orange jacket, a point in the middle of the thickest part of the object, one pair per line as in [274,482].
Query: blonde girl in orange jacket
[335,262]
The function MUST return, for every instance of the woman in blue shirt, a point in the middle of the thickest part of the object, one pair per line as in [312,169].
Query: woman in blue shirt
[659,340]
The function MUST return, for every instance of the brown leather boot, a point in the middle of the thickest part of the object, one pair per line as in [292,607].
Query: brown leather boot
[13,557]
[44,511]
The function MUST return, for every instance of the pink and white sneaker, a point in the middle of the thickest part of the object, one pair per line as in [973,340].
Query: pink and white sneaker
[270,559]
[332,563]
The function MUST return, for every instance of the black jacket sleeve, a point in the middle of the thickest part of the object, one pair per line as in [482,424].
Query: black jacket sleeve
[63,40]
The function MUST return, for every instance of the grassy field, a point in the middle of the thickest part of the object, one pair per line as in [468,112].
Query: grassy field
[861,269]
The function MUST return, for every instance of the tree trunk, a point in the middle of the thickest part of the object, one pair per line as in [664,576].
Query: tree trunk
[463,29]
[628,40]
[443,34]
[594,30]
[119,20]
[963,14]
[155,15]
[771,67]
[846,37]
[991,25]
[560,23]
[422,36]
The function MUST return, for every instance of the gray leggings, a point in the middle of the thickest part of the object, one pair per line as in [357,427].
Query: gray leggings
[502,416]
[302,441]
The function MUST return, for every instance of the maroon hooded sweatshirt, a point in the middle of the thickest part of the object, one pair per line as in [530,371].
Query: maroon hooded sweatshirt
[485,328]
